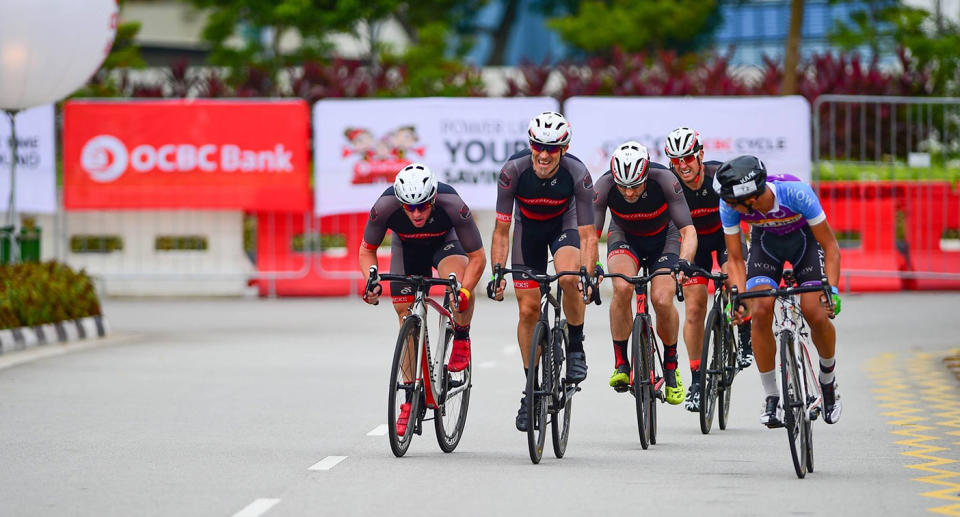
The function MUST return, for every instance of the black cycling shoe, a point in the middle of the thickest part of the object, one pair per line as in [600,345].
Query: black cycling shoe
[576,366]
[831,402]
[770,416]
[692,403]
[522,423]
[745,350]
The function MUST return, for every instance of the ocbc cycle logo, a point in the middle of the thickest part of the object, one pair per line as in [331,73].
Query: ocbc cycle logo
[105,158]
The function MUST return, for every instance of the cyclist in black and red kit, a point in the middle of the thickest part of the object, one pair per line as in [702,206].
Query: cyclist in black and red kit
[685,151]
[432,228]
[648,217]
[549,192]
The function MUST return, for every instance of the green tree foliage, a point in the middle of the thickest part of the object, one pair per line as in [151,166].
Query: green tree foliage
[245,35]
[597,26]
[125,53]
[428,71]
[932,44]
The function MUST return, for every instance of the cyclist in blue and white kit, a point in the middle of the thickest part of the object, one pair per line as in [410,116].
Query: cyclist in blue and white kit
[788,224]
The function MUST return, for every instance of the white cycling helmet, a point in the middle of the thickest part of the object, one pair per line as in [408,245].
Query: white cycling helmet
[681,142]
[415,184]
[629,164]
[549,128]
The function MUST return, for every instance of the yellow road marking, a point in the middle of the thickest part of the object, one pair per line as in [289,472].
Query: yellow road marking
[920,400]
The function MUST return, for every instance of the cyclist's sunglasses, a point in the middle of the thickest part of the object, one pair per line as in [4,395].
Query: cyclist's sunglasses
[539,148]
[690,158]
[417,207]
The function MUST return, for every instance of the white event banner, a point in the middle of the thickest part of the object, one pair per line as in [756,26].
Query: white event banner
[776,129]
[36,177]
[360,145]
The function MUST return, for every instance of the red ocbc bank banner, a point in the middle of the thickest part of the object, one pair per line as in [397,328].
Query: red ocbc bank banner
[246,155]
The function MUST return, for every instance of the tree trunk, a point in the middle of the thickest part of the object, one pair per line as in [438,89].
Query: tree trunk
[792,56]
[501,34]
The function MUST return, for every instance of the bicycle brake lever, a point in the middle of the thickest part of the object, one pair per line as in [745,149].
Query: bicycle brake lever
[676,276]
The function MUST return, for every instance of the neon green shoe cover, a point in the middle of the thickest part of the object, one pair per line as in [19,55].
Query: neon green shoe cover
[674,395]
[620,377]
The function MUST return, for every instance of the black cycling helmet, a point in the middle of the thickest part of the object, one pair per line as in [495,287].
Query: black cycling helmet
[741,178]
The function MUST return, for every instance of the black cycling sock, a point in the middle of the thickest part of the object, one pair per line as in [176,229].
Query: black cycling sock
[461,332]
[536,382]
[620,351]
[695,376]
[670,357]
[576,338]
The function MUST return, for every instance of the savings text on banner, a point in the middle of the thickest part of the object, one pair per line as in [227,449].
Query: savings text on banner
[36,162]
[360,145]
[777,129]
[231,155]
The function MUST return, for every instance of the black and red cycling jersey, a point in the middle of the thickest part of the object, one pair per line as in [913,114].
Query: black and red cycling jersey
[704,203]
[660,203]
[450,219]
[567,194]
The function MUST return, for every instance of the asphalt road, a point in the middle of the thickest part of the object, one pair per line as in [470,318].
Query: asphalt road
[221,407]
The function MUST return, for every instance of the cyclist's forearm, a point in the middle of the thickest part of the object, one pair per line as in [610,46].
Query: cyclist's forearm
[588,246]
[501,241]
[474,269]
[367,258]
[688,243]
[831,265]
[737,269]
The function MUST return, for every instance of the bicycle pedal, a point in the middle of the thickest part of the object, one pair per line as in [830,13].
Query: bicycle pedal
[621,389]
[815,413]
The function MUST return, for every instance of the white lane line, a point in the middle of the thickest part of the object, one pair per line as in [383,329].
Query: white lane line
[327,463]
[487,364]
[256,508]
[380,430]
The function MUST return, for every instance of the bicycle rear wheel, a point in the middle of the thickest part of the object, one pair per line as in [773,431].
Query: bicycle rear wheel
[560,421]
[450,417]
[711,371]
[795,417]
[730,369]
[538,383]
[404,386]
[641,381]
[655,369]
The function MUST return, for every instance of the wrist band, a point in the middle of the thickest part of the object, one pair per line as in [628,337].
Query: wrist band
[833,289]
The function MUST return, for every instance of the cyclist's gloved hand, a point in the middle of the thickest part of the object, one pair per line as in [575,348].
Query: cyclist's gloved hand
[737,316]
[836,300]
[598,273]
[686,268]
[495,292]
[463,299]
[373,295]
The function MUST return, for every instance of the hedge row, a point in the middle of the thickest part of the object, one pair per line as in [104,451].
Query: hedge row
[33,294]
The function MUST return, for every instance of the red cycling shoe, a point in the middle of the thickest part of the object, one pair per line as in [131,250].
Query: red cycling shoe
[403,418]
[460,355]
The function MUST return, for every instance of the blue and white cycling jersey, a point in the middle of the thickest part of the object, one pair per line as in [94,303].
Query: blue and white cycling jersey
[795,206]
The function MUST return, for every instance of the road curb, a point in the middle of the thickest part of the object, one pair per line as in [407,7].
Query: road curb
[24,338]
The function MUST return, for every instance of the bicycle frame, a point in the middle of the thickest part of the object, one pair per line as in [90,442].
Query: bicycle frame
[642,311]
[789,319]
[429,369]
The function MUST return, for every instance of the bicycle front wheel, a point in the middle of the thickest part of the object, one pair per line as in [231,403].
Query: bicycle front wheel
[655,372]
[641,374]
[794,404]
[730,369]
[450,417]
[538,383]
[560,421]
[404,400]
[711,371]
